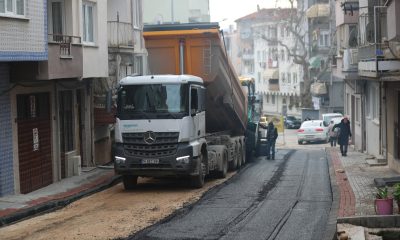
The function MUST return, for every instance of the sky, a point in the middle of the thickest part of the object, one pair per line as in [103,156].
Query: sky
[227,11]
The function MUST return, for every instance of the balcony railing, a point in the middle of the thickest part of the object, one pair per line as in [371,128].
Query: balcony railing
[376,59]
[64,41]
[120,34]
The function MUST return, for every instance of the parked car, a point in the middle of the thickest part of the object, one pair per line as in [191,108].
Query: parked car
[312,131]
[327,117]
[292,122]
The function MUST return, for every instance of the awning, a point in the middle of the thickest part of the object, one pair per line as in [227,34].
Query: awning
[318,10]
[315,62]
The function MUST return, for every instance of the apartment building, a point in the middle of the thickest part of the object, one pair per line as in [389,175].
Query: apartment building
[52,53]
[175,11]
[277,76]
[379,80]
[18,53]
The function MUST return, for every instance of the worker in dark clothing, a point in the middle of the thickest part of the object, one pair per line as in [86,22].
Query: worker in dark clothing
[272,135]
[344,135]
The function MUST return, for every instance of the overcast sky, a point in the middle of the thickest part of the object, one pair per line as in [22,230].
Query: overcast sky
[234,9]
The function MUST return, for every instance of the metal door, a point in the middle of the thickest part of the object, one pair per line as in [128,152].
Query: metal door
[34,141]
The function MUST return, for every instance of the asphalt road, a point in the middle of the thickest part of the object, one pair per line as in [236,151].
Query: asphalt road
[286,198]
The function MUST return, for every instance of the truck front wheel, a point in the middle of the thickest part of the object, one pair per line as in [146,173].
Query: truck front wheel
[197,181]
[130,181]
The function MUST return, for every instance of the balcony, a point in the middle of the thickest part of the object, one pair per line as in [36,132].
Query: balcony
[273,85]
[120,35]
[350,60]
[318,10]
[65,58]
[376,60]
[248,56]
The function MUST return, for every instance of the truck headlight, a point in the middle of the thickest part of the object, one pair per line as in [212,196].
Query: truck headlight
[120,160]
[184,159]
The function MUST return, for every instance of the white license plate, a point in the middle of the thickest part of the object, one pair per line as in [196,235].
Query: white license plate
[309,136]
[150,161]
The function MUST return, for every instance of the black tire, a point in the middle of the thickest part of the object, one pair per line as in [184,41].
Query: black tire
[243,149]
[197,181]
[300,142]
[130,181]
[239,156]
[224,171]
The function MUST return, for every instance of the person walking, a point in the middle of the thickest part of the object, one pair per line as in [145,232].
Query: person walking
[344,135]
[272,135]
[332,134]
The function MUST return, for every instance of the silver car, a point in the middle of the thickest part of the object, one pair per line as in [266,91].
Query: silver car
[312,131]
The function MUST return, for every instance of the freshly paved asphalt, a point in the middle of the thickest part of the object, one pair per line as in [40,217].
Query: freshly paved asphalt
[287,198]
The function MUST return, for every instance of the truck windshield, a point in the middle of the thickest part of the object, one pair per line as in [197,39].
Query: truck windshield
[156,101]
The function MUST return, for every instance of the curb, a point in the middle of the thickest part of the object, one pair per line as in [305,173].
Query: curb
[373,221]
[52,205]
[331,228]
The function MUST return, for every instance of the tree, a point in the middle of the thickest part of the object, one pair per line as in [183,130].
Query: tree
[299,52]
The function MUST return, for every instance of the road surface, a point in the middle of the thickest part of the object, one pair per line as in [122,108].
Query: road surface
[287,198]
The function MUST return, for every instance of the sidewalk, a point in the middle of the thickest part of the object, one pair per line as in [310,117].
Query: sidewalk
[355,179]
[16,207]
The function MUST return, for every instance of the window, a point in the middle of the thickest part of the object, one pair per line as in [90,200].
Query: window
[259,77]
[88,22]
[12,7]
[282,55]
[138,64]
[282,31]
[294,78]
[273,99]
[324,39]
[283,77]
[289,77]
[267,98]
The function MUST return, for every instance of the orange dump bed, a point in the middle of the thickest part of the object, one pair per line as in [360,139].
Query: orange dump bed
[204,56]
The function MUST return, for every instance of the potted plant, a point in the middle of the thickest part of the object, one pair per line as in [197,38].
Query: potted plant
[383,202]
[396,195]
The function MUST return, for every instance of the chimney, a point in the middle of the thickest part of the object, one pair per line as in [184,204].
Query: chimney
[258,7]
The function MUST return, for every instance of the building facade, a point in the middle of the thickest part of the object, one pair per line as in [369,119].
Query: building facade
[262,56]
[48,81]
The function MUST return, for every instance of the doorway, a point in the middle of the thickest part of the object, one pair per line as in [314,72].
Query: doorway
[34,141]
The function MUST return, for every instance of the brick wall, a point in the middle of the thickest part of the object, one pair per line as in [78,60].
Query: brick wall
[6,153]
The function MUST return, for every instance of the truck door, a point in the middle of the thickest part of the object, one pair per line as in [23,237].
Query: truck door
[197,111]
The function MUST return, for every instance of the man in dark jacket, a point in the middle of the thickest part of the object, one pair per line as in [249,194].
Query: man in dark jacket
[272,135]
[344,135]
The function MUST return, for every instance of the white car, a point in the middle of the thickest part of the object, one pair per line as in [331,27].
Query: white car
[327,117]
[312,131]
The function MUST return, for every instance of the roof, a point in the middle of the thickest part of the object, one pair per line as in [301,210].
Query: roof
[183,26]
[272,14]
[158,79]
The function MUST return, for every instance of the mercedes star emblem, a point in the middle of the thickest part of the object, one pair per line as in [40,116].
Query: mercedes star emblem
[149,137]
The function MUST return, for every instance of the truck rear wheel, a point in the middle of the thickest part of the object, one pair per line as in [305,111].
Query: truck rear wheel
[198,180]
[224,170]
[239,156]
[130,181]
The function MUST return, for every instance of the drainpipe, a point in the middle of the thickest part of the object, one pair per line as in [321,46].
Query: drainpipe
[182,56]
[377,72]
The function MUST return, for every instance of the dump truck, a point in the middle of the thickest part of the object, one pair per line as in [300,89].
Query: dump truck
[188,118]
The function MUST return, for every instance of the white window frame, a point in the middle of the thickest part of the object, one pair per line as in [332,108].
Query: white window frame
[137,18]
[324,39]
[85,29]
[13,12]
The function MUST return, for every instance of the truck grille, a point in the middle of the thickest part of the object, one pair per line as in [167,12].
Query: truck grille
[166,144]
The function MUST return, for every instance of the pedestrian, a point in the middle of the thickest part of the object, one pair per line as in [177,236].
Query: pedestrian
[332,133]
[344,135]
[272,135]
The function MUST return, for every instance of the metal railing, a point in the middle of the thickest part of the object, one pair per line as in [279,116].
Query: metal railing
[120,34]
[64,41]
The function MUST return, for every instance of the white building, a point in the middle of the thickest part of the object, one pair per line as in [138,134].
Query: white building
[277,77]
[176,11]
